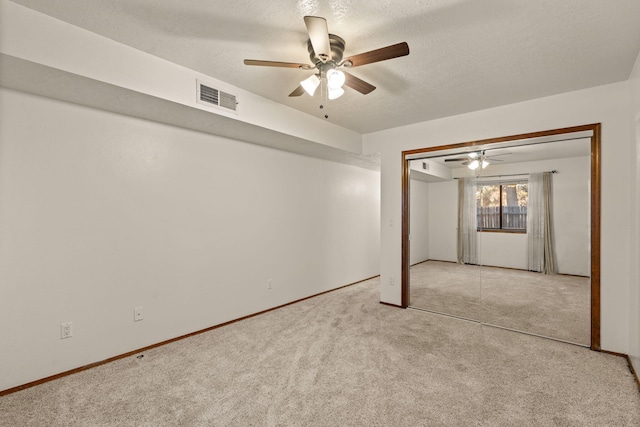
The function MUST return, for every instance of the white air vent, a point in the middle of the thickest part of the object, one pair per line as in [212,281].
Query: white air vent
[215,97]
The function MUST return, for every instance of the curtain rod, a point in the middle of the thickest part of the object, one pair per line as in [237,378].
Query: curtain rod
[500,176]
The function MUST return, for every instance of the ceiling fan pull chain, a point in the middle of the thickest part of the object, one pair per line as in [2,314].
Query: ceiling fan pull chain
[326,99]
[324,102]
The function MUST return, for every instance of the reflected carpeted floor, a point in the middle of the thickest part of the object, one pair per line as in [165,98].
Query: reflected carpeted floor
[556,306]
[343,359]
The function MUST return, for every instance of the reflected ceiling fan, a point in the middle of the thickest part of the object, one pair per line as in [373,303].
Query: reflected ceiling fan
[477,159]
[326,54]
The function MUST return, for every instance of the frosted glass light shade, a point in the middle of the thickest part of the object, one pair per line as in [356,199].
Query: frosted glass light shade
[310,84]
[335,79]
[335,93]
[474,165]
[485,164]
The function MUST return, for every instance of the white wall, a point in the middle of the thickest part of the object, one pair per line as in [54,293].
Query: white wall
[608,105]
[507,250]
[100,213]
[419,226]
[443,220]
[634,300]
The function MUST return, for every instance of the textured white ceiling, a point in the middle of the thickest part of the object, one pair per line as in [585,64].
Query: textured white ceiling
[465,55]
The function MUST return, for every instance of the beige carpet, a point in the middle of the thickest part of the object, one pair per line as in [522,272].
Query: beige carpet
[556,306]
[343,359]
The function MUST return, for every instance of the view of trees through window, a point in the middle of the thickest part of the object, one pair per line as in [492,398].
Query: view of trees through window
[502,206]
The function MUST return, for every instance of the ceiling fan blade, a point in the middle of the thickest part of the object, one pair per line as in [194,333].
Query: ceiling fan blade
[382,54]
[358,84]
[276,64]
[297,91]
[457,159]
[319,36]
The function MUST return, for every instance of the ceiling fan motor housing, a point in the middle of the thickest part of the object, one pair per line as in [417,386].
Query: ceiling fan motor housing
[337,51]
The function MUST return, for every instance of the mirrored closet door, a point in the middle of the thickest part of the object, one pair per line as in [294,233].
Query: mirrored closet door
[500,234]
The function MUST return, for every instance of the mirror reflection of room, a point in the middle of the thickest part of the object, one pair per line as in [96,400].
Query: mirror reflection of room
[501,236]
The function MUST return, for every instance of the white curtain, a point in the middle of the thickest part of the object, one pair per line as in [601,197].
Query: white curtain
[540,251]
[467,221]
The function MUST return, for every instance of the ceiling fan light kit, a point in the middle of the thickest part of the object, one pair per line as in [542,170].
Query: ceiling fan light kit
[335,93]
[326,54]
[335,79]
[475,164]
[310,84]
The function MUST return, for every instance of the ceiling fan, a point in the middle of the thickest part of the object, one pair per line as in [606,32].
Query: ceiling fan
[326,54]
[477,159]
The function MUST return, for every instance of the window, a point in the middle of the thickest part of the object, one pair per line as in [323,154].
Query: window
[502,206]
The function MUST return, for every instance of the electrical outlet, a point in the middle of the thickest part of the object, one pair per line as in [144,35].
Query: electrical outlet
[66,330]
[138,314]
[391,281]
[269,284]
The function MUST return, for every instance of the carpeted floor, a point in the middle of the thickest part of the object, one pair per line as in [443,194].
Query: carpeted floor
[556,306]
[343,359]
